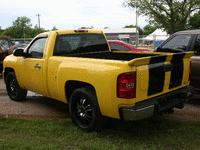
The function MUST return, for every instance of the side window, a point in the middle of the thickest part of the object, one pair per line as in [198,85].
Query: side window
[178,42]
[37,48]
[119,47]
[197,46]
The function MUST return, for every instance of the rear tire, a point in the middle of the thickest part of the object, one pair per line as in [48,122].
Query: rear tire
[15,92]
[84,110]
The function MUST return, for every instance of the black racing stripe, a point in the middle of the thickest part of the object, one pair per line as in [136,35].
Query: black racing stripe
[177,57]
[158,59]
[156,78]
[177,70]
[156,74]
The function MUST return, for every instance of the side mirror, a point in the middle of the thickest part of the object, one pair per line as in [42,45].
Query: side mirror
[18,52]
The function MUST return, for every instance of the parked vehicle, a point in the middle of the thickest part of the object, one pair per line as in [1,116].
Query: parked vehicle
[185,41]
[117,45]
[78,67]
[21,45]
[6,48]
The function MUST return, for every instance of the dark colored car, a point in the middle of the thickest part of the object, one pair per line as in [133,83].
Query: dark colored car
[184,41]
[6,48]
[117,45]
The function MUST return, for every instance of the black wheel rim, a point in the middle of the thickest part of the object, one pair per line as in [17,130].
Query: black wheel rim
[83,111]
[13,87]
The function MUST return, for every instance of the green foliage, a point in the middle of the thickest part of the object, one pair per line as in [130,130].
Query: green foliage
[172,15]
[37,31]
[138,28]
[87,27]
[23,22]
[194,21]
[148,29]
[1,31]
[54,28]
[21,28]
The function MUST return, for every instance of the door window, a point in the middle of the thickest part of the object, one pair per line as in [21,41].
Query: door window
[37,48]
[197,46]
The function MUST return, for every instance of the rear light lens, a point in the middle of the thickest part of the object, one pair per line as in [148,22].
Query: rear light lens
[80,30]
[190,73]
[126,85]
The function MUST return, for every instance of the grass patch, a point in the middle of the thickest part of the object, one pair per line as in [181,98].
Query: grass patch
[21,134]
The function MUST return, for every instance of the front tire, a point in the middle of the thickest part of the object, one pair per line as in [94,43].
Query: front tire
[84,110]
[15,92]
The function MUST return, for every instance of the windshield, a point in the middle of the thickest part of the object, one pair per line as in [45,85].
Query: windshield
[79,43]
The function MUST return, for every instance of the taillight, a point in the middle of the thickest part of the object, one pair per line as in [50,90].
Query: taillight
[190,73]
[80,30]
[126,85]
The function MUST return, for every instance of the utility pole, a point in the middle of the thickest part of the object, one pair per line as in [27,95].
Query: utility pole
[38,19]
[136,26]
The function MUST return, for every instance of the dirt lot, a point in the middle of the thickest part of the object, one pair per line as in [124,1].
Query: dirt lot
[37,106]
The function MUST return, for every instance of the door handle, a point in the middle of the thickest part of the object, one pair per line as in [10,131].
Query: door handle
[37,66]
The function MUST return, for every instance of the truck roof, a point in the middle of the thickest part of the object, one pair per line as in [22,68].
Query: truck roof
[73,31]
[197,31]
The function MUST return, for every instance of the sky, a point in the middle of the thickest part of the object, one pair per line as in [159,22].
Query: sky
[70,14]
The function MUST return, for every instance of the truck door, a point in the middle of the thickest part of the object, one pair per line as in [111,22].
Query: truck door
[32,67]
[195,79]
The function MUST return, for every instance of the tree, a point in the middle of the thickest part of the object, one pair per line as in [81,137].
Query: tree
[87,27]
[54,28]
[148,29]
[21,28]
[1,31]
[133,26]
[22,22]
[172,15]
[37,31]
[194,21]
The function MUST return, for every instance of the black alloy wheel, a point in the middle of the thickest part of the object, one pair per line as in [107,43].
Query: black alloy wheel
[84,110]
[15,92]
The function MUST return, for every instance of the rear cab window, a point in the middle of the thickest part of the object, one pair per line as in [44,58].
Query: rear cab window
[197,46]
[79,43]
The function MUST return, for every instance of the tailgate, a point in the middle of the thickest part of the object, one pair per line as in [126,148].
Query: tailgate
[160,74]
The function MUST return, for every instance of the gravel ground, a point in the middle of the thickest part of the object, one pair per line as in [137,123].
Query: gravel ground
[190,112]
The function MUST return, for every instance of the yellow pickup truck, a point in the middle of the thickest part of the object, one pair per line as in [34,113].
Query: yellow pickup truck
[77,67]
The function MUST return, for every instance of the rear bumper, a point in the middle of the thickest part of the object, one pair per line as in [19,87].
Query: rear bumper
[153,106]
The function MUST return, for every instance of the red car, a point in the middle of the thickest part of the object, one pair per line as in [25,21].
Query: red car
[117,45]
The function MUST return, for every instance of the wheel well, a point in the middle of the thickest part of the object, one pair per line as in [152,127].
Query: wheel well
[70,86]
[7,70]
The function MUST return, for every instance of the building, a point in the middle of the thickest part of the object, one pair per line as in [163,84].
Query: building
[124,34]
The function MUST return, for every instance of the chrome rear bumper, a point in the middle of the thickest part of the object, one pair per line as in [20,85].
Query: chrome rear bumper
[153,106]
[133,115]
